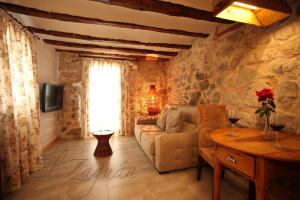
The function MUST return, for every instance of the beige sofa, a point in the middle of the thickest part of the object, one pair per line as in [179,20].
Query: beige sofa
[170,151]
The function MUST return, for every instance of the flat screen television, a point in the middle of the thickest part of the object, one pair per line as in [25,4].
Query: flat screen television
[52,97]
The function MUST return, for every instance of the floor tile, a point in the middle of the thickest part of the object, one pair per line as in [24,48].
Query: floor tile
[72,172]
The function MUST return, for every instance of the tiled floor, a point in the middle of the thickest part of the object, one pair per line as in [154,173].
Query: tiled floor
[72,172]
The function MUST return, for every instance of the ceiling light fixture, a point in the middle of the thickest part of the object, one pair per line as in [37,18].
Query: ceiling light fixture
[243,5]
[151,57]
[256,12]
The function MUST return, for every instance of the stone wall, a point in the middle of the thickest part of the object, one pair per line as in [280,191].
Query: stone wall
[147,73]
[228,70]
[69,75]
[139,79]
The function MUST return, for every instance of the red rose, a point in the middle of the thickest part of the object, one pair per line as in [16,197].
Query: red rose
[265,94]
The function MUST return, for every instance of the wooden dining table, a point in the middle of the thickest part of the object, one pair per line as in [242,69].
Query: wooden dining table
[255,158]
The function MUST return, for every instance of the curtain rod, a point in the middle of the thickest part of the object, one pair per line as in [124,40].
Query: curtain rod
[23,26]
[107,58]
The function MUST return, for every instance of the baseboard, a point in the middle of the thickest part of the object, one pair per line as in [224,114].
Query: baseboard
[48,144]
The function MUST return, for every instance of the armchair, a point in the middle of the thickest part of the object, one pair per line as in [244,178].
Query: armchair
[211,117]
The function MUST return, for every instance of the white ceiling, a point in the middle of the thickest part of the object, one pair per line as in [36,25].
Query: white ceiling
[93,9]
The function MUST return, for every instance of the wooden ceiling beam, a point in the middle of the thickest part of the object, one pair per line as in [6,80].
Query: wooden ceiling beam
[100,39]
[166,8]
[104,57]
[78,19]
[119,49]
[115,55]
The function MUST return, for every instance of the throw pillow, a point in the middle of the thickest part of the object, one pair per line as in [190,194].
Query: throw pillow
[173,123]
[161,121]
[189,127]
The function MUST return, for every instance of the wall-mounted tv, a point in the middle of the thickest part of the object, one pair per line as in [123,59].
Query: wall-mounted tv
[52,97]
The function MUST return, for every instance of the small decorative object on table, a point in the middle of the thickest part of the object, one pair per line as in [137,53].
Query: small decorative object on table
[276,126]
[266,98]
[233,118]
[298,130]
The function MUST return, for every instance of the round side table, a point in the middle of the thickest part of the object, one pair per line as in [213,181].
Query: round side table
[103,148]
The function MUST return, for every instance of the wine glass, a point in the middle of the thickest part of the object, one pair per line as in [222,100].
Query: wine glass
[298,130]
[233,118]
[276,127]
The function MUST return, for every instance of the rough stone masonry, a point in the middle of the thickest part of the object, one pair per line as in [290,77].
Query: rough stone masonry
[228,70]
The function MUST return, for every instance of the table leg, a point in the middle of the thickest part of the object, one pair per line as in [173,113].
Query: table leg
[217,177]
[262,178]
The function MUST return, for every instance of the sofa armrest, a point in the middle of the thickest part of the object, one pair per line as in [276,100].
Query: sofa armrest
[145,121]
[176,151]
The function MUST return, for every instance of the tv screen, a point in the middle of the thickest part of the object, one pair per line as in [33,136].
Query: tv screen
[52,97]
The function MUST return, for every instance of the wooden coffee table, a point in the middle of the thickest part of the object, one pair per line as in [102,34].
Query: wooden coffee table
[103,148]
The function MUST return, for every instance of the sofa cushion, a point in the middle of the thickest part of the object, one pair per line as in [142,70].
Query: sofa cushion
[189,128]
[148,142]
[189,113]
[138,129]
[161,121]
[173,123]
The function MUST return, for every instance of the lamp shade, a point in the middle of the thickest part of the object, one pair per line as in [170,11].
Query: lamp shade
[153,101]
[256,12]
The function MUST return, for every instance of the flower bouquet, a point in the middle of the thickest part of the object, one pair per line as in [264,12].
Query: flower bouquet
[268,106]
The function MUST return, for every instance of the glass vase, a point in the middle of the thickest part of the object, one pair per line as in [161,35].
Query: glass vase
[267,133]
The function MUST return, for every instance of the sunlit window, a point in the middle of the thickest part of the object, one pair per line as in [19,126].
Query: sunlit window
[104,96]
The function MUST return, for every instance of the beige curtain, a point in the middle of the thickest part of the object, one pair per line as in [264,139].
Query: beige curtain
[19,105]
[126,103]
[90,64]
